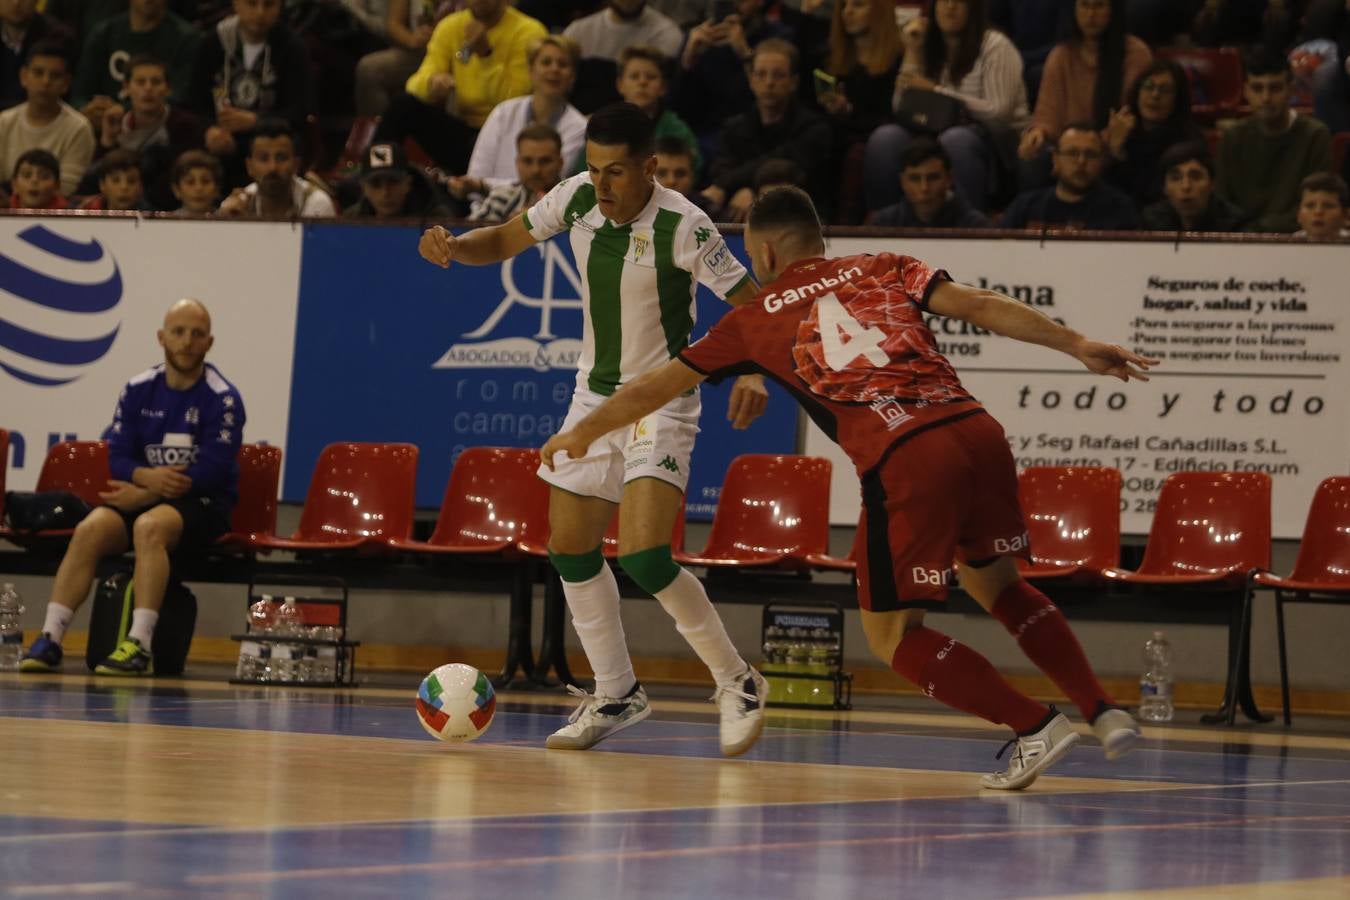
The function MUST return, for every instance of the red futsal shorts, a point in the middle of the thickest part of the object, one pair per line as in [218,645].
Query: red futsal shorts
[946,493]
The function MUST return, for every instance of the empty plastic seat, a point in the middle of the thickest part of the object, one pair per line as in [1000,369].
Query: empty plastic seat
[255,513]
[773,512]
[360,497]
[1073,520]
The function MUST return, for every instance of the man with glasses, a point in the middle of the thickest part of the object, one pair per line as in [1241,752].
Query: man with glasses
[1078,200]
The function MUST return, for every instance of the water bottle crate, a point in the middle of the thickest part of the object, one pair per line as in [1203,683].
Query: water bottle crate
[310,647]
[803,652]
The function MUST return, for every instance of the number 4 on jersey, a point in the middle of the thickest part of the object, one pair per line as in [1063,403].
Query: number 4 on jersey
[845,338]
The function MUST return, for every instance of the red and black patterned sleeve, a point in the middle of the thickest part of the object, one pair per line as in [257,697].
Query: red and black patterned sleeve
[918,280]
[721,349]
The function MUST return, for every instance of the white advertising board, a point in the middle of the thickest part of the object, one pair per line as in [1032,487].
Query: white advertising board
[1252,338]
[82,298]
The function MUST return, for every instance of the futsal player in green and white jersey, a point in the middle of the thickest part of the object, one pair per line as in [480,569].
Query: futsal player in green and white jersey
[642,251]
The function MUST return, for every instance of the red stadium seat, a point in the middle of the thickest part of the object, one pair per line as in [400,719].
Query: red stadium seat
[1073,521]
[354,149]
[1322,570]
[1216,78]
[1210,529]
[360,497]
[80,467]
[493,502]
[255,515]
[834,563]
[773,512]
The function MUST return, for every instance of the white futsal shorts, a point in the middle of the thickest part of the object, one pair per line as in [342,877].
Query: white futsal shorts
[658,446]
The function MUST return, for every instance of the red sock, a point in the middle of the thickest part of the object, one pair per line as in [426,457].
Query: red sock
[956,675]
[1045,637]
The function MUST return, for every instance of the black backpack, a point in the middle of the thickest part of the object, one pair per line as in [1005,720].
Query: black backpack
[110,620]
[48,510]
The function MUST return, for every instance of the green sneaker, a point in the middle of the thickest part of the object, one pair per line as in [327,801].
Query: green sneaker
[130,658]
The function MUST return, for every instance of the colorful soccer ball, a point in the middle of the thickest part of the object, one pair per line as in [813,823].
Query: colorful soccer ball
[455,703]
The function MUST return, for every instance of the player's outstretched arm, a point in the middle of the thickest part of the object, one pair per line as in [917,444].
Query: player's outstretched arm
[1004,315]
[629,403]
[478,247]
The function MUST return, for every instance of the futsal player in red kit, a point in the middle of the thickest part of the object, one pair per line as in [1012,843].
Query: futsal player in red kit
[847,338]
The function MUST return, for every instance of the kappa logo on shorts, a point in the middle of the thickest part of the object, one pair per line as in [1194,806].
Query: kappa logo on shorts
[669,463]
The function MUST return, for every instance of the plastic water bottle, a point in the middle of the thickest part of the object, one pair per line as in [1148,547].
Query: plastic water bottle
[1155,685]
[290,622]
[255,656]
[11,631]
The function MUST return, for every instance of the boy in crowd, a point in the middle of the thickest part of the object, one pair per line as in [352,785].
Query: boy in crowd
[642,82]
[149,126]
[1189,202]
[675,165]
[392,189]
[37,182]
[119,183]
[1321,208]
[929,202]
[1264,158]
[44,121]
[146,26]
[196,178]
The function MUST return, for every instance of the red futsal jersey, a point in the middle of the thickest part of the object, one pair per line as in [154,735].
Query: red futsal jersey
[847,337]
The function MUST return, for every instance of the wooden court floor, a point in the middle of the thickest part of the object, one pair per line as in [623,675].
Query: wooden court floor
[196,788]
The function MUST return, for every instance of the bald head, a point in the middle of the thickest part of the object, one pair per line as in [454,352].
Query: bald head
[186,338]
[190,310]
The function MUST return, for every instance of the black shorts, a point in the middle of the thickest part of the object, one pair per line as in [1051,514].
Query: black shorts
[204,521]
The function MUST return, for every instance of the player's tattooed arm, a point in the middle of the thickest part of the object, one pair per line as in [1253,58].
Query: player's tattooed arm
[1004,315]
[644,394]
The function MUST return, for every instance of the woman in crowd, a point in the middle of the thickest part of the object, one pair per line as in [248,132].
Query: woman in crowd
[963,59]
[1086,77]
[1137,135]
[864,58]
[553,70]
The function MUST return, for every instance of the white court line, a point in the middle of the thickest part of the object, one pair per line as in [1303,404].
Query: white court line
[65,890]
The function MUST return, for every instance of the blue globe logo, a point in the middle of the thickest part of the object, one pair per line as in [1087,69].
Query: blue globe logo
[58,306]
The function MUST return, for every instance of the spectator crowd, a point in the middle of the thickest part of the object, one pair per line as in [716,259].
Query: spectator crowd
[1161,115]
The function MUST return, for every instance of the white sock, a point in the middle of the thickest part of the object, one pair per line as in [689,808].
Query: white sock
[688,604]
[595,616]
[143,626]
[58,620]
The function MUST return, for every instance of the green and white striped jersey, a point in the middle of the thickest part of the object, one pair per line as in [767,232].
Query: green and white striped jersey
[638,280]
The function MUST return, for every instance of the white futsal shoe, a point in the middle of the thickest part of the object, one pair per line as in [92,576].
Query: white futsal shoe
[1033,754]
[597,718]
[1117,730]
[741,704]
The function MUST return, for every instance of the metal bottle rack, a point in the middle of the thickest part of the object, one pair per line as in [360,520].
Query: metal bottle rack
[325,611]
[807,686]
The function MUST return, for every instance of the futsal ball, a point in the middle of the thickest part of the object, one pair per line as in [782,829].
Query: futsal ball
[455,703]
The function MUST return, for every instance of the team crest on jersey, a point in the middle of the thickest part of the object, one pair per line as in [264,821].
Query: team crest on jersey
[639,246]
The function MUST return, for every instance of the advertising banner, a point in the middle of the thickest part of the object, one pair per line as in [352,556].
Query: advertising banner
[392,348]
[1253,374]
[82,298]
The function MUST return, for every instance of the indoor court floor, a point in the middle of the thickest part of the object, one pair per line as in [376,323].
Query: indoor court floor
[196,788]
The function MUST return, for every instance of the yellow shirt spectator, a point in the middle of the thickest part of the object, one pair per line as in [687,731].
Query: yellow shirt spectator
[481,82]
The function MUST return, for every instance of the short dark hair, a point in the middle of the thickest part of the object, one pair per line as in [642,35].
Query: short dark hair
[119,160]
[786,208]
[144,59]
[43,159]
[271,128]
[49,47]
[920,150]
[196,159]
[673,145]
[1326,183]
[1186,151]
[540,131]
[1087,127]
[1263,61]
[623,123]
[649,54]
[782,48]
[778,171]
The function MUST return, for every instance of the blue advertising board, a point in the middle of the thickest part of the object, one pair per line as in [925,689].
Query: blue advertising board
[392,348]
